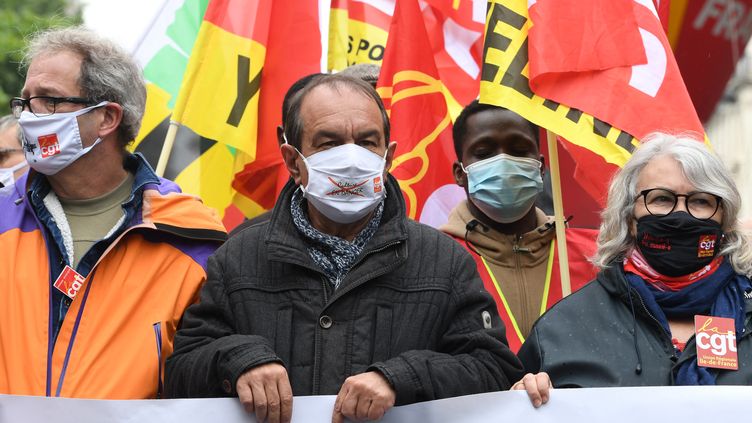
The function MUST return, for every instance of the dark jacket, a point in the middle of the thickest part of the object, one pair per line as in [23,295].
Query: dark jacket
[412,307]
[588,340]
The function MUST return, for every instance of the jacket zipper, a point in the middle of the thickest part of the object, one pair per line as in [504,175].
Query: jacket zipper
[158,337]
[72,340]
[50,343]
[522,286]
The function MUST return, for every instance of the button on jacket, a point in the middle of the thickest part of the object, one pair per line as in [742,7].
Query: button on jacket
[412,307]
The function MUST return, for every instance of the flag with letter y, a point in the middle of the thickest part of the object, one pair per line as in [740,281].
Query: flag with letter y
[219,96]
[599,74]
[411,89]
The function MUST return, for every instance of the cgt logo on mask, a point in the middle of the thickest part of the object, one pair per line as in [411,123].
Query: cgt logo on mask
[49,145]
[706,246]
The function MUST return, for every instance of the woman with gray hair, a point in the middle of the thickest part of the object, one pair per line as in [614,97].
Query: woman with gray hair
[672,304]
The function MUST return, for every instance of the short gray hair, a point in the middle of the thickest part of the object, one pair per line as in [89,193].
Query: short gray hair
[294,124]
[368,72]
[8,122]
[702,168]
[108,72]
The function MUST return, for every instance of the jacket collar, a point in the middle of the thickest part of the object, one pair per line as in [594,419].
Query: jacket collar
[169,215]
[39,186]
[506,250]
[286,244]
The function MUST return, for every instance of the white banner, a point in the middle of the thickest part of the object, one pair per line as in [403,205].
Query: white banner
[613,405]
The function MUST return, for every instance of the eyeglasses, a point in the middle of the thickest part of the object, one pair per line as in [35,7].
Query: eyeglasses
[660,202]
[42,105]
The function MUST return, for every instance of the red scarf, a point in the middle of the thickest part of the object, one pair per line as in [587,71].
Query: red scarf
[637,264]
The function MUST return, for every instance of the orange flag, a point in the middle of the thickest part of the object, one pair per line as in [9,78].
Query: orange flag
[411,89]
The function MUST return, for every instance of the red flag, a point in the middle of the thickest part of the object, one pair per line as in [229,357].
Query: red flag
[294,50]
[411,89]
[455,30]
[607,74]
[613,61]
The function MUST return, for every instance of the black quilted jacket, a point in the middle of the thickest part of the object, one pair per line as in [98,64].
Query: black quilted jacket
[412,307]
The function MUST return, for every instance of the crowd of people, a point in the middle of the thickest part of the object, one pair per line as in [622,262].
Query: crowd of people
[118,286]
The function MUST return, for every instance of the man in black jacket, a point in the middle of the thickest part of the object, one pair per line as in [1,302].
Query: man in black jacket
[340,293]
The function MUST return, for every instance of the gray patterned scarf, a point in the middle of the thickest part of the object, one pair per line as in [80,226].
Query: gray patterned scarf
[334,255]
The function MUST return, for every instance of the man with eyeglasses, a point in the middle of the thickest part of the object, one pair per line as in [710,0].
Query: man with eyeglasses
[100,257]
[12,162]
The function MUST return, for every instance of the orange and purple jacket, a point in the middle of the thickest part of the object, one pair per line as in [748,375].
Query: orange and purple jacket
[119,328]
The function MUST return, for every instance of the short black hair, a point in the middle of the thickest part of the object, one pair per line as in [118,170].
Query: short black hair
[459,130]
[293,126]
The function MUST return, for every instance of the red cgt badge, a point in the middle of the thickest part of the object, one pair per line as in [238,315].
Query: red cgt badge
[716,342]
[69,282]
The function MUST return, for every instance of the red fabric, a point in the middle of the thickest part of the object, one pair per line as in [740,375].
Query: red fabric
[580,247]
[664,11]
[583,36]
[293,51]
[587,57]
[678,345]
[637,264]
[441,18]
[710,42]
[423,162]
[234,16]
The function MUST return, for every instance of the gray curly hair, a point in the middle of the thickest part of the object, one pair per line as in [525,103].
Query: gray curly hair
[108,72]
[702,168]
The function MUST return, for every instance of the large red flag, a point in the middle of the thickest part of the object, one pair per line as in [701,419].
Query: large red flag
[614,61]
[294,49]
[412,92]
[600,74]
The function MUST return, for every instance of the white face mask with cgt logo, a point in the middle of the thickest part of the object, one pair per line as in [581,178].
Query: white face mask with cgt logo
[345,183]
[53,142]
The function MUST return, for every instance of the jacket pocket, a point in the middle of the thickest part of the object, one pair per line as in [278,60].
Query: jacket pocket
[283,338]
[382,330]
[158,338]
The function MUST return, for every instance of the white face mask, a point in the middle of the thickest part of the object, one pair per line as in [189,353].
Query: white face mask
[6,174]
[345,183]
[53,142]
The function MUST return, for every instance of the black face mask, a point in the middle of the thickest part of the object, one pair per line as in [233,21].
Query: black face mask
[678,244]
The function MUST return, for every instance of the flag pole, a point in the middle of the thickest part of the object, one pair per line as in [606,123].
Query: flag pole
[169,141]
[561,239]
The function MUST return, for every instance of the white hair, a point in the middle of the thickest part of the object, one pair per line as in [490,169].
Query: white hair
[108,72]
[702,168]
[10,122]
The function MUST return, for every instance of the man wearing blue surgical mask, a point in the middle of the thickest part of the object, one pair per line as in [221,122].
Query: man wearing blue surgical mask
[500,167]
[340,293]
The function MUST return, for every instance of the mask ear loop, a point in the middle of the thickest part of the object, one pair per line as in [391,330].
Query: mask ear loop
[301,187]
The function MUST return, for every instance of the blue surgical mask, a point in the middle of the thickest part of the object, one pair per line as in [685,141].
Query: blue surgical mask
[504,187]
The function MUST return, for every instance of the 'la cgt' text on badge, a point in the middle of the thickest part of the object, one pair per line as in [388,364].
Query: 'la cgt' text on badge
[716,342]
